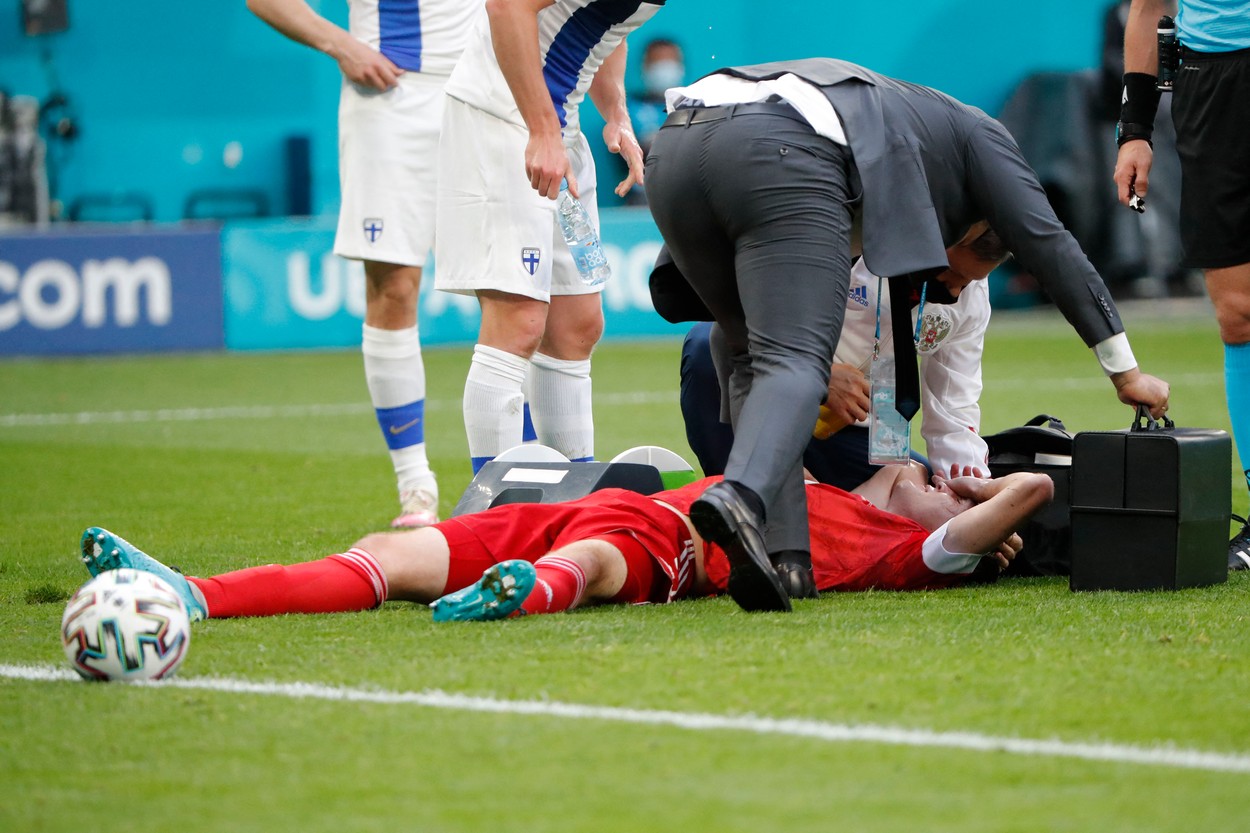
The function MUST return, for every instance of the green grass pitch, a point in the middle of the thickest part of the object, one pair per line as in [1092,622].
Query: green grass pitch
[215,462]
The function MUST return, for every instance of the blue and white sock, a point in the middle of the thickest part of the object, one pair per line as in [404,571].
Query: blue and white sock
[395,375]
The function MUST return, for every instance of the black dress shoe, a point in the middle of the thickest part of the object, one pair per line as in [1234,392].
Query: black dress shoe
[794,568]
[723,517]
[1239,547]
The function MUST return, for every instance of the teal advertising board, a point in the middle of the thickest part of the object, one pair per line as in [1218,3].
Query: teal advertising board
[285,288]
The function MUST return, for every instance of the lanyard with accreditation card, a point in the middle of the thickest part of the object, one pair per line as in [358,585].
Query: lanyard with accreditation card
[889,432]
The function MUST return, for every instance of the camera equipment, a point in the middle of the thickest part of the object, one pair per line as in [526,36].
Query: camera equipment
[1169,54]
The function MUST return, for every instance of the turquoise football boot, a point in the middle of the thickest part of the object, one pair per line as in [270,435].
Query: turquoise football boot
[102,550]
[498,594]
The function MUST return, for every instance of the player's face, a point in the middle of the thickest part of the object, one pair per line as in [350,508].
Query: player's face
[964,268]
[930,506]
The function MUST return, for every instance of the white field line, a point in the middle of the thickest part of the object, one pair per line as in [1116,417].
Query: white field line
[258,412]
[611,400]
[1165,756]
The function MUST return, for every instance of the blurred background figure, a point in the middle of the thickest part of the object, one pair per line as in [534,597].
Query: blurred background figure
[1061,121]
[23,167]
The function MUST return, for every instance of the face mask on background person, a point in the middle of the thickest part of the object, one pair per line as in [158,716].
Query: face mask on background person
[661,75]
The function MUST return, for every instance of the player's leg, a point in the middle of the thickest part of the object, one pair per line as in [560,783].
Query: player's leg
[395,375]
[495,238]
[560,375]
[388,179]
[1229,289]
[510,332]
[411,565]
[1210,108]
[596,570]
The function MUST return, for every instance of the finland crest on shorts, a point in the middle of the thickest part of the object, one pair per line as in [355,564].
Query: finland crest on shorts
[372,227]
[530,258]
[936,324]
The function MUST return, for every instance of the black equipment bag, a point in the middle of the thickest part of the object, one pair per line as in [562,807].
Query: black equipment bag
[1150,507]
[1041,445]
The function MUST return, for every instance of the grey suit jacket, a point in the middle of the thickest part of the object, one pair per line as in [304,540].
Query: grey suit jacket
[930,167]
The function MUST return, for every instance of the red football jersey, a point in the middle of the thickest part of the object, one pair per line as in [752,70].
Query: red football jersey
[855,546]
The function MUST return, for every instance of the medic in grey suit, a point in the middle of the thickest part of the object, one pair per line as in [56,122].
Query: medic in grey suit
[765,181]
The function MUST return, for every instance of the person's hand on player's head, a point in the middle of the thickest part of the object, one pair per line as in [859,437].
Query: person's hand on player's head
[965,486]
[959,471]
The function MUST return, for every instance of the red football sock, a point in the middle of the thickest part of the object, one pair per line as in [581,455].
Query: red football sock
[561,583]
[338,584]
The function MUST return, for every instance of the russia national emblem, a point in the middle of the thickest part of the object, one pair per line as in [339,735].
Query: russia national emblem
[529,258]
[372,227]
[935,326]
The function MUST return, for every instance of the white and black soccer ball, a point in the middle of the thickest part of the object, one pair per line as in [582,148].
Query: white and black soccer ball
[125,625]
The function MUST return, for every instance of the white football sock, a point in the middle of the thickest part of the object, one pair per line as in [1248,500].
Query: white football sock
[493,403]
[561,407]
[395,375]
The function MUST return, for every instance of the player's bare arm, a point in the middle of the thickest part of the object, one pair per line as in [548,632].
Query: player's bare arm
[514,34]
[607,91]
[359,63]
[1141,54]
[1002,506]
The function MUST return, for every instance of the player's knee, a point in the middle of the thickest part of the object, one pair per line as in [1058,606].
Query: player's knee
[519,336]
[388,283]
[1233,316]
[393,295]
[380,545]
[573,339]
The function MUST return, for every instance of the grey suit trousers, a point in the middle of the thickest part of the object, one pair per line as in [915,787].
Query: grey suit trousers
[756,210]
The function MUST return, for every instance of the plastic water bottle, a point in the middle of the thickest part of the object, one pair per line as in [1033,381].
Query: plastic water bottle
[889,435]
[579,232]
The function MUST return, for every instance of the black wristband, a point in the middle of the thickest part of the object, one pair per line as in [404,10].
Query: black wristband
[1127,132]
[1140,101]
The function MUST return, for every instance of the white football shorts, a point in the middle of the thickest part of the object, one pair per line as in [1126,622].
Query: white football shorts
[388,169]
[494,230]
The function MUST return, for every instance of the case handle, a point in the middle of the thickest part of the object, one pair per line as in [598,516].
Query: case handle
[1145,422]
[1049,421]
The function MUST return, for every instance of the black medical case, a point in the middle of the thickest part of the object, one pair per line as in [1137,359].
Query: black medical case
[1150,507]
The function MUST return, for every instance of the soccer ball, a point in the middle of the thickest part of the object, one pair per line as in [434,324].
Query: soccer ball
[125,625]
